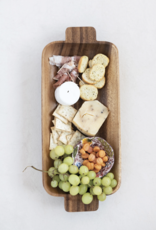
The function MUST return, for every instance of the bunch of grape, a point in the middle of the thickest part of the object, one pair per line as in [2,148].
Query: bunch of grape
[70,178]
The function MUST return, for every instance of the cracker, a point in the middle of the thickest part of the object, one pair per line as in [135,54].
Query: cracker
[76,138]
[59,125]
[52,144]
[55,114]
[68,112]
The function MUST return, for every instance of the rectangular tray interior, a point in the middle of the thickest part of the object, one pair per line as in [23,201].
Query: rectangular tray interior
[109,96]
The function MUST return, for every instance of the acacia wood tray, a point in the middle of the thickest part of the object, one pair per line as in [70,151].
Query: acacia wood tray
[81,41]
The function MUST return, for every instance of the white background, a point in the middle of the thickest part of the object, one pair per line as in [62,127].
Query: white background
[25,28]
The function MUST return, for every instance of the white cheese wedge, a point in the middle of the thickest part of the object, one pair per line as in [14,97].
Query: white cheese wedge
[90,117]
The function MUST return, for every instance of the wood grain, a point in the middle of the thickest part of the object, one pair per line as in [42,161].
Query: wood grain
[81,41]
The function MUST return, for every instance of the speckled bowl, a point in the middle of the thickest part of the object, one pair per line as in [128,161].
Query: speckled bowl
[103,145]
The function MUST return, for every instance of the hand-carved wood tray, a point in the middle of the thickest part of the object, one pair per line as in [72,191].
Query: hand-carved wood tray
[81,41]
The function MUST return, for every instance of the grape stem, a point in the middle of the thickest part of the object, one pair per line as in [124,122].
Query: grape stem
[35,169]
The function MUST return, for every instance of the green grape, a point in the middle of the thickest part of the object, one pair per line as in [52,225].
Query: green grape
[57,163]
[97,181]
[87,198]
[110,175]
[63,177]
[97,190]
[60,184]
[107,190]
[73,169]
[53,155]
[106,181]
[90,183]
[113,183]
[83,189]
[63,168]
[74,190]
[69,149]
[91,191]
[66,186]
[102,197]
[54,183]
[68,160]
[85,180]
[91,175]
[59,150]
[74,180]
[52,171]
[56,177]
[83,170]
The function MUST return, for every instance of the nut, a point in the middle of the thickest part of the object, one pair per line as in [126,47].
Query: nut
[105,159]
[98,167]
[85,162]
[85,156]
[90,150]
[86,146]
[96,149]
[99,161]
[91,157]
[102,153]
[82,151]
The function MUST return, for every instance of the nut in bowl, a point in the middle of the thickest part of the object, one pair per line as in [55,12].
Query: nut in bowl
[95,153]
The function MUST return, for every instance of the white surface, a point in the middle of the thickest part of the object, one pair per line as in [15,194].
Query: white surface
[26,27]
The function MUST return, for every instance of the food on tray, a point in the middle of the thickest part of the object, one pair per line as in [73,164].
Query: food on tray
[59,125]
[81,83]
[63,137]
[79,181]
[67,94]
[97,72]
[88,92]
[56,114]
[64,74]
[96,154]
[90,63]
[86,78]
[61,60]
[94,157]
[55,134]
[52,143]
[90,117]
[82,65]
[99,59]
[100,84]
[85,169]
[67,112]
[68,137]
[77,136]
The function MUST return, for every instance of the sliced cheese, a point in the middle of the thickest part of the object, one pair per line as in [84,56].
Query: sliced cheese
[90,117]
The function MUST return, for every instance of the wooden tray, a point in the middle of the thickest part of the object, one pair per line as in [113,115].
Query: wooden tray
[81,41]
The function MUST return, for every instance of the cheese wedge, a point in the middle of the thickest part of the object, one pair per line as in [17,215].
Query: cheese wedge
[90,117]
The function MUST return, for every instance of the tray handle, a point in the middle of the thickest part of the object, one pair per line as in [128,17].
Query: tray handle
[81,35]
[74,204]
